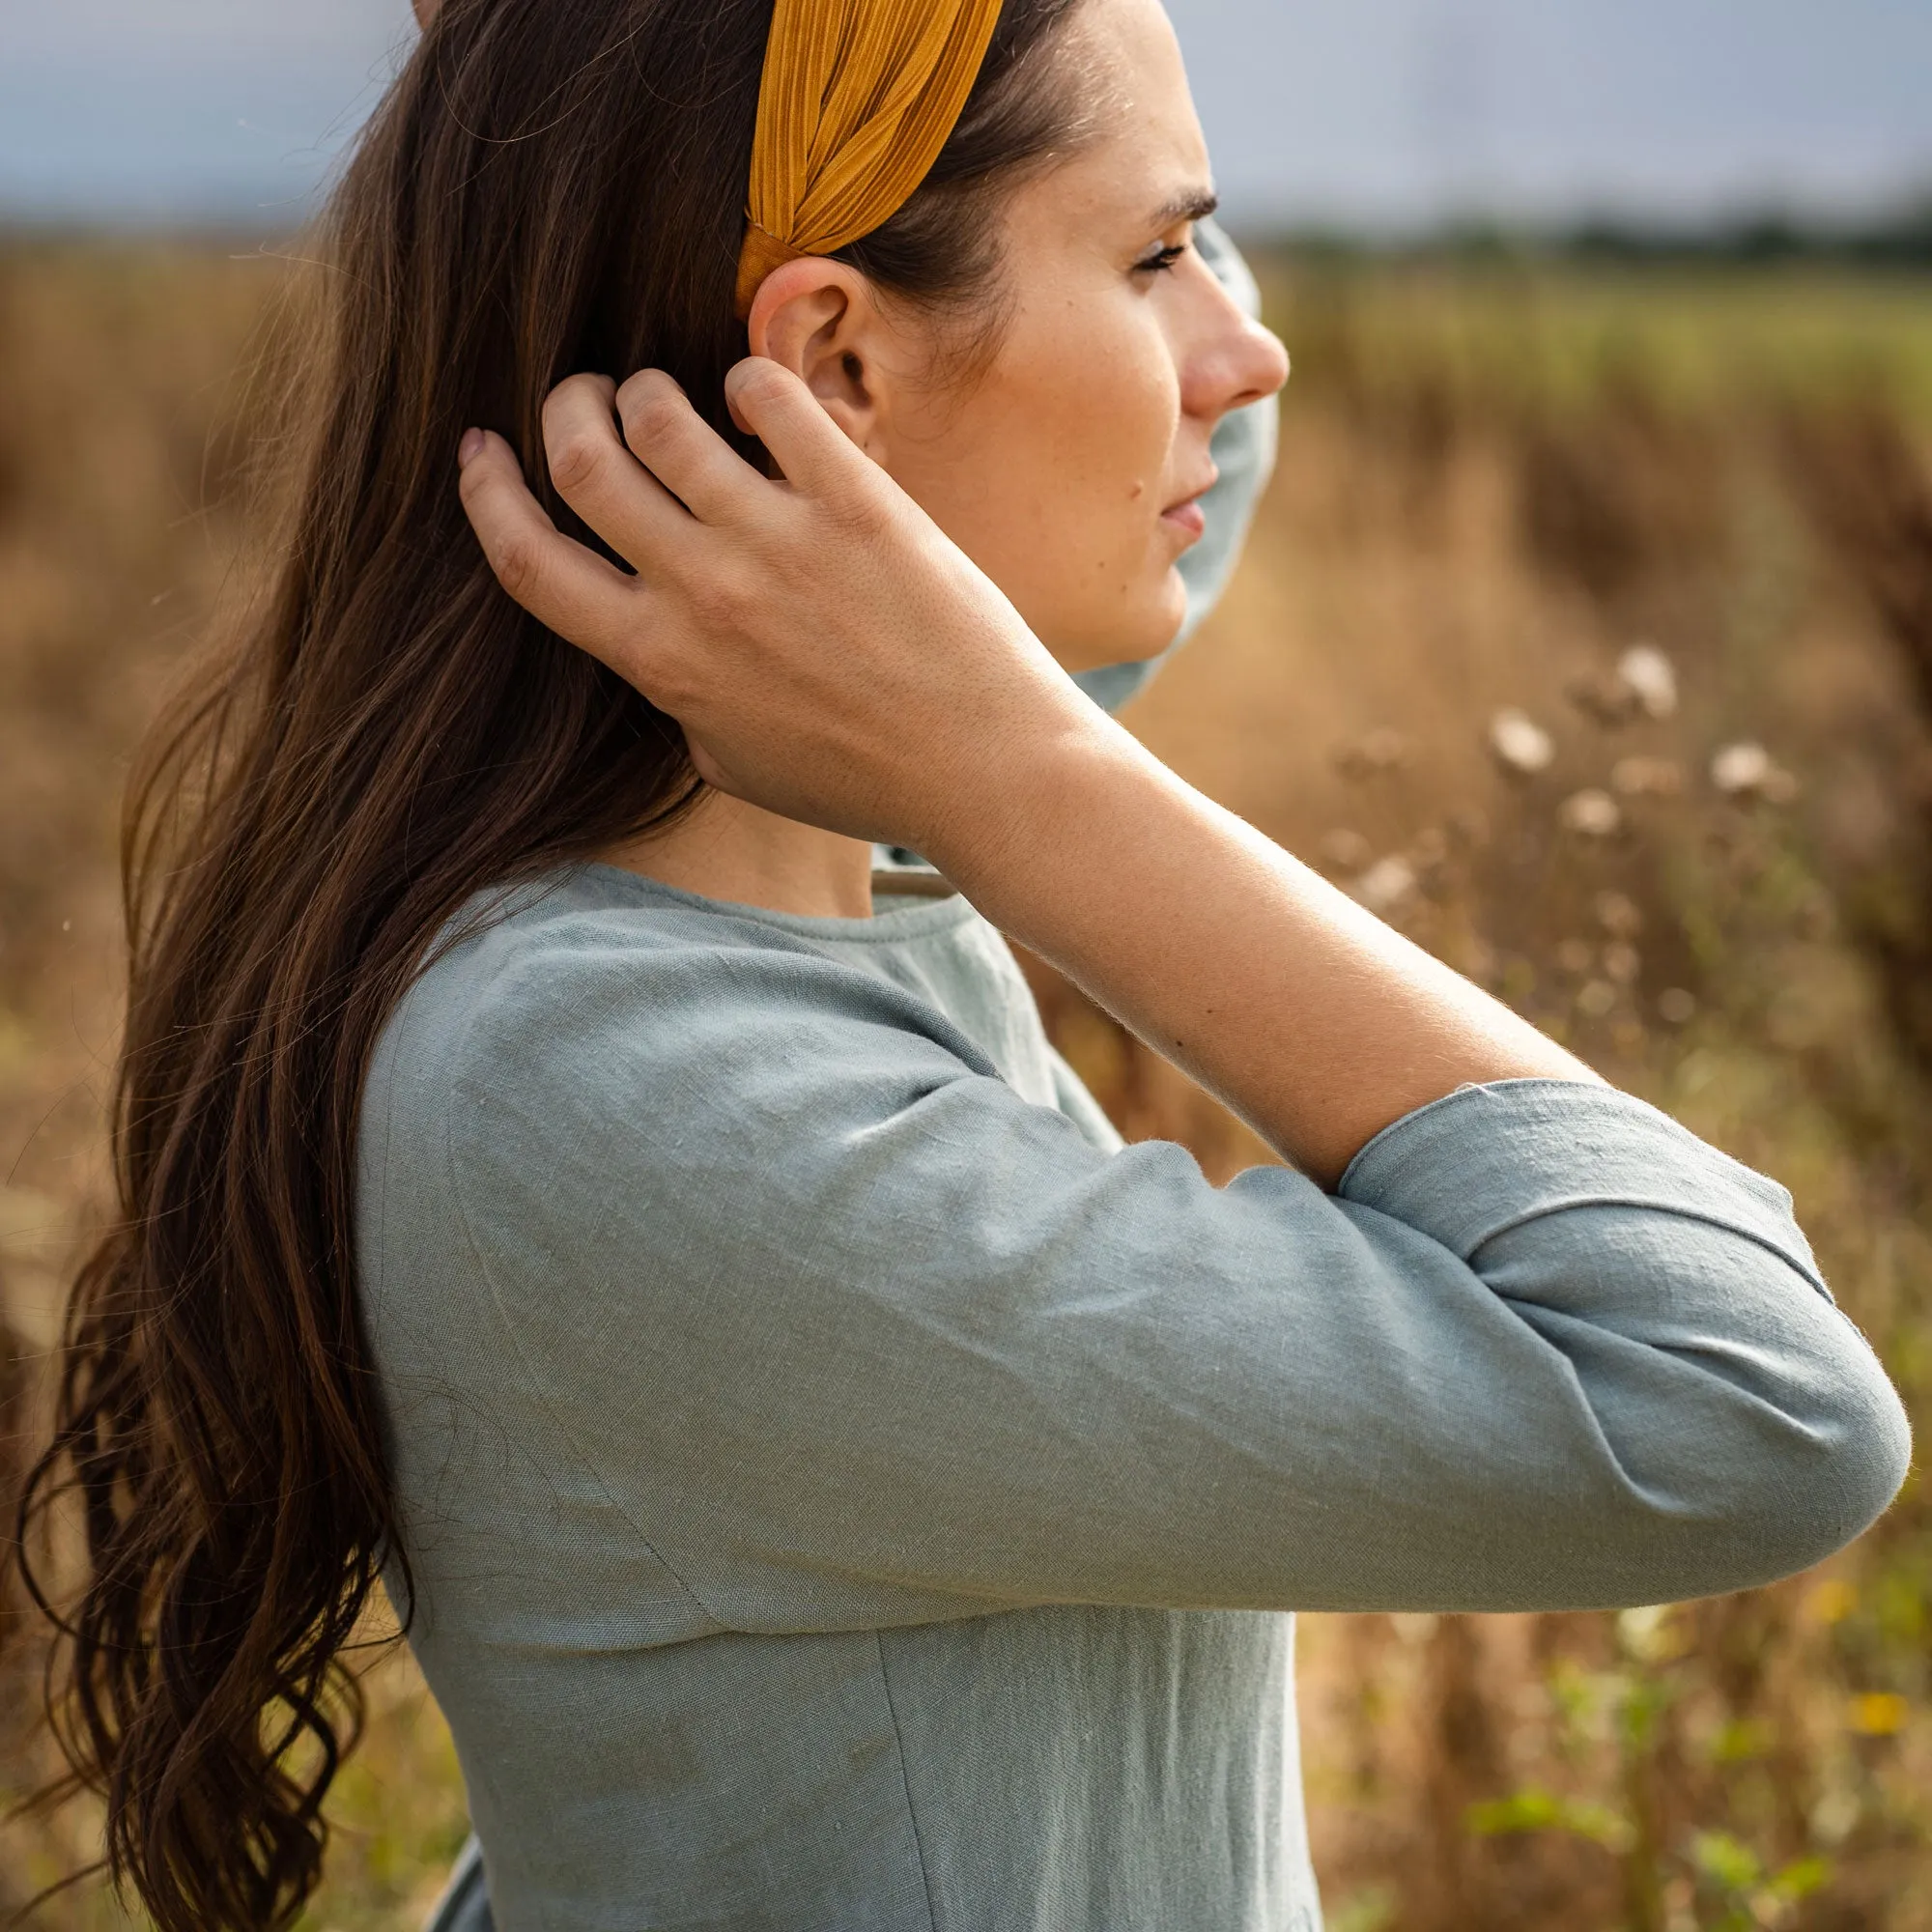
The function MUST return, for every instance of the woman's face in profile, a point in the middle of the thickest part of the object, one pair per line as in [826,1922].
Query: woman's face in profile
[1069,465]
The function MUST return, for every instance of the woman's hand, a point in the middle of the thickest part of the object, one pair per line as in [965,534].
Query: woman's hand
[832,655]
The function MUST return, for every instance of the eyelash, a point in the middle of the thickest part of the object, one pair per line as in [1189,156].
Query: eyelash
[1162,259]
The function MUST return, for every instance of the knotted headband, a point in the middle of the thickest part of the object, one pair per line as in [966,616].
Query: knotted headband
[857,100]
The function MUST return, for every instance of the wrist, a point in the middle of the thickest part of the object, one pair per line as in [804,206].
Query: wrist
[1042,797]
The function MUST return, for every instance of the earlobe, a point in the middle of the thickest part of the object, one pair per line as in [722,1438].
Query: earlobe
[816,318]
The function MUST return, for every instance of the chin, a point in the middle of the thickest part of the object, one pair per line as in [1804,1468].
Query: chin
[1166,612]
[1143,632]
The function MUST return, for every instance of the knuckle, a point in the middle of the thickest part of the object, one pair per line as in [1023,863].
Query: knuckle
[518,562]
[736,594]
[654,419]
[576,458]
[763,383]
[646,385]
[861,514]
[714,598]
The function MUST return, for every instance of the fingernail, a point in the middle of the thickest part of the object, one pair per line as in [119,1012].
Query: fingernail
[469,448]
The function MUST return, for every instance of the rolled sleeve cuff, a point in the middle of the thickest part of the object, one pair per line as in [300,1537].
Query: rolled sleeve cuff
[1484,1161]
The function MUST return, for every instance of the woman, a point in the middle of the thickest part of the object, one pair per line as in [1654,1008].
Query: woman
[830,1480]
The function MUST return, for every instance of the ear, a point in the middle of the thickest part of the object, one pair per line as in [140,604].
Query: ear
[819,319]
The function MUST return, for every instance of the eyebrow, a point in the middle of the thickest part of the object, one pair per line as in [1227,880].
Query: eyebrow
[1196,205]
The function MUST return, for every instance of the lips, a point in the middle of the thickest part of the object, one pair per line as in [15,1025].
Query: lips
[1186,512]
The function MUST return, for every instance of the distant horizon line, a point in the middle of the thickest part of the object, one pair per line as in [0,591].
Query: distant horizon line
[1900,223]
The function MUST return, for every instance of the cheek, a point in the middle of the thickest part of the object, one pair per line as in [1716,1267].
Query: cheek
[1090,437]
[1112,416]
[1107,589]
[1052,474]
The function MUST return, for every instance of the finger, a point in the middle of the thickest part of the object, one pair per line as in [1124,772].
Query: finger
[564,587]
[769,402]
[604,483]
[683,451]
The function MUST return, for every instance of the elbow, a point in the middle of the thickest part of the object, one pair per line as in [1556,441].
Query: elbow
[1848,1456]
[1780,1478]
[1743,1430]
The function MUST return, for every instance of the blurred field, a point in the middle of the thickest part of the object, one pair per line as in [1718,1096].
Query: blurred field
[1494,484]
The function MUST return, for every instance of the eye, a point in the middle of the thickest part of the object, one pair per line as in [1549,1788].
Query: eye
[1161,260]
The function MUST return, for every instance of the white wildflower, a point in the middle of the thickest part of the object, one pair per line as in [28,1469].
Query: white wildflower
[1622,962]
[1345,851]
[1740,769]
[1592,813]
[1385,883]
[1521,743]
[1649,1635]
[1748,771]
[1651,677]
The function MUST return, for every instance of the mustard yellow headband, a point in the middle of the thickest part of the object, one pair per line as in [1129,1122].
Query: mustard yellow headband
[857,100]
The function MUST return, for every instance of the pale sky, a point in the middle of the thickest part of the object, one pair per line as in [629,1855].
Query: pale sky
[1343,110]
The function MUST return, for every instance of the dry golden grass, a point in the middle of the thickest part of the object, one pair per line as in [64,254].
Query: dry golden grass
[1493,486]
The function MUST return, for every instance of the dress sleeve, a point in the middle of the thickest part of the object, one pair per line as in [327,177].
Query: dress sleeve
[852,1334]
[1243,450]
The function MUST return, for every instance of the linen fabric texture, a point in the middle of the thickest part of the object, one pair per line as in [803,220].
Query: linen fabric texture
[847,1490]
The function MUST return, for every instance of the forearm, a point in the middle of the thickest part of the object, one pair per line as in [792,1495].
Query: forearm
[1312,1019]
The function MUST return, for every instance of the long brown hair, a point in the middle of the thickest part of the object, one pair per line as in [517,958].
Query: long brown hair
[550,185]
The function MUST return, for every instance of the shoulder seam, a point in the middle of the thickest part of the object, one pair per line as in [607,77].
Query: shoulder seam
[774,941]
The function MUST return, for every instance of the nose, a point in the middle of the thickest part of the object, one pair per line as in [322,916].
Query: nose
[1234,359]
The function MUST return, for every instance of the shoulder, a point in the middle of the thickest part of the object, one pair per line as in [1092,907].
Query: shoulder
[581,1099]
[553,1017]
